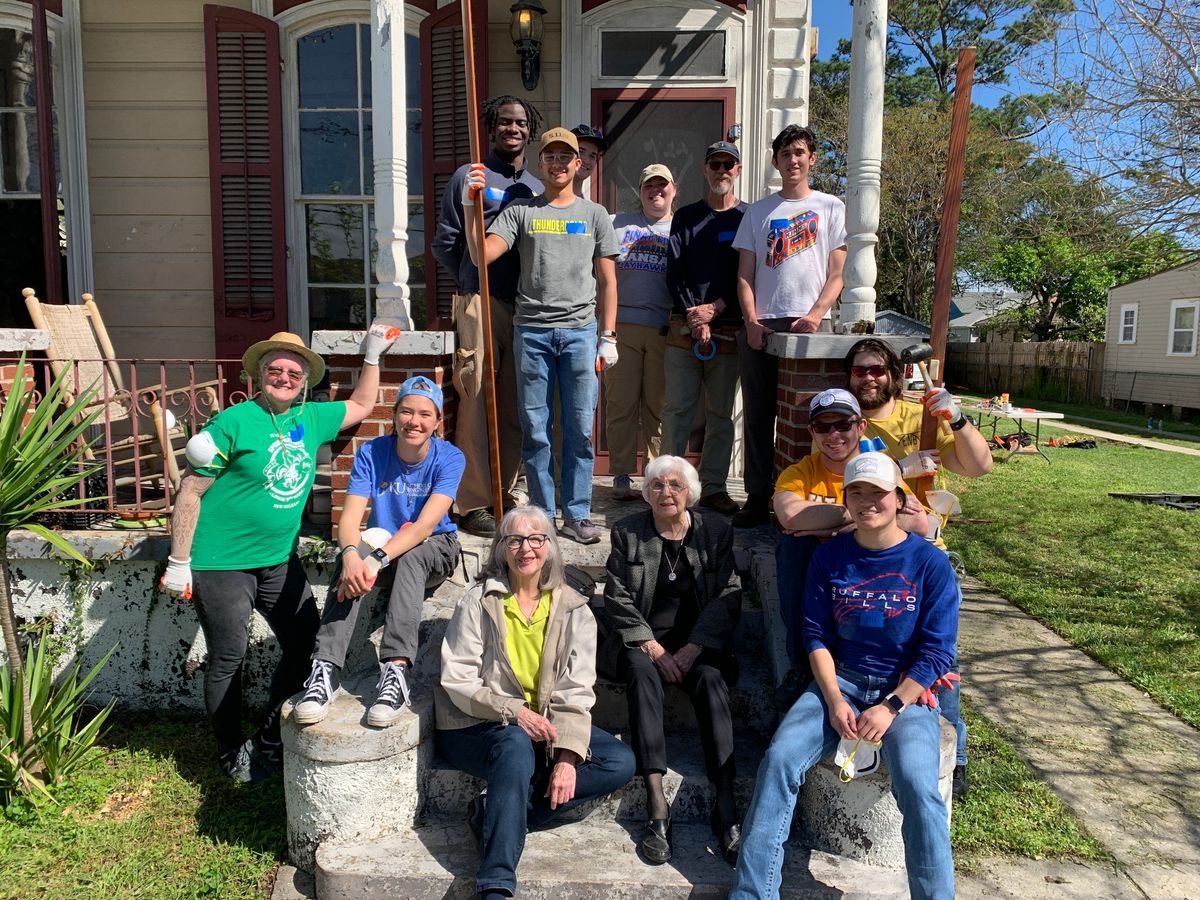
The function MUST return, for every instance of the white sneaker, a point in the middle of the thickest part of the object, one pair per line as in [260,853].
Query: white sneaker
[318,694]
[392,696]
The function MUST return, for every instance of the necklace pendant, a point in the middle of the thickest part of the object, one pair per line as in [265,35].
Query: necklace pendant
[670,576]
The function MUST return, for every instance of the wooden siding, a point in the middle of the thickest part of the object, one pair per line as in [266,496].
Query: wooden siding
[147,146]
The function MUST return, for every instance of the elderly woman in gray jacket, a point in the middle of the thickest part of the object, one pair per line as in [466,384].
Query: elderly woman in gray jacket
[514,703]
[672,601]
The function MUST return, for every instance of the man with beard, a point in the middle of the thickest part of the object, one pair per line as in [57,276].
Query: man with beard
[510,121]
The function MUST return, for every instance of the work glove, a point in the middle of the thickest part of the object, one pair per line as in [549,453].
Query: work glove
[201,450]
[379,338]
[947,682]
[177,580]
[920,464]
[474,184]
[940,403]
[608,353]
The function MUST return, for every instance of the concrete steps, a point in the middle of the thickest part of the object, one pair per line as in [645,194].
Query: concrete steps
[593,858]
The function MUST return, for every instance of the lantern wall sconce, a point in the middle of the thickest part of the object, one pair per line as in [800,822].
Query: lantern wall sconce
[526,30]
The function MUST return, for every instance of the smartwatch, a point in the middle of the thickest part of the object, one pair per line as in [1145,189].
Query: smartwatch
[894,703]
[380,556]
[961,423]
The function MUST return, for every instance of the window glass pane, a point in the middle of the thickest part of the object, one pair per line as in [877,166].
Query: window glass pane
[328,68]
[19,152]
[1185,317]
[337,308]
[372,244]
[364,62]
[335,243]
[368,154]
[16,68]
[412,71]
[674,132]
[329,153]
[654,54]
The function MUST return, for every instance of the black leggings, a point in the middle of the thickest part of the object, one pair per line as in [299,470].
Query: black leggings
[225,600]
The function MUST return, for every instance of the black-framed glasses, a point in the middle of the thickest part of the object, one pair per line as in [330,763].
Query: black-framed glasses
[864,371]
[720,165]
[536,541]
[841,426]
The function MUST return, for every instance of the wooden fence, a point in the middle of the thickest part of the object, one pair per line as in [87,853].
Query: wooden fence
[1063,371]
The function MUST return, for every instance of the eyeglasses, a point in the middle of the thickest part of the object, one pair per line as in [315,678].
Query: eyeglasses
[558,159]
[674,487]
[292,375]
[864,371]
[841,426]
[514,541]
[720,165]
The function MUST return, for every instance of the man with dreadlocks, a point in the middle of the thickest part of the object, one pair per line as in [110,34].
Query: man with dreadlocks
[509,122]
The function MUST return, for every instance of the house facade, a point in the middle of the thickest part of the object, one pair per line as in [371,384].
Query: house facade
[1153,339]
[226,171]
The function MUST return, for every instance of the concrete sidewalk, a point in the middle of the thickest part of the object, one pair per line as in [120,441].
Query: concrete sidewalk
[1070,425]
[1126,767]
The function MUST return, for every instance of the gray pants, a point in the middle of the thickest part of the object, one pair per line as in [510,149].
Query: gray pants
[718,378]
[422,568]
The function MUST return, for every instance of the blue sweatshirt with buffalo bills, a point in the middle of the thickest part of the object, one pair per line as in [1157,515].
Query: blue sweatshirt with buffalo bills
[883,612]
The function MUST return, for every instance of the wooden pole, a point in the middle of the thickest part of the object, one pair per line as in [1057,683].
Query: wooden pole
[51,257]
[943,272]
[485,298]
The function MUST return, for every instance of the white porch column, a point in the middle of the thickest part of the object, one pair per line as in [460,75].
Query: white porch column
[867,54]
[389,145]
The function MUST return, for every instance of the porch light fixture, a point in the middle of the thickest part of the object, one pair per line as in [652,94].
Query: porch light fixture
[526,30]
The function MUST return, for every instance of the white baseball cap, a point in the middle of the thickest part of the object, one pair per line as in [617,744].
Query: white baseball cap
[874,468]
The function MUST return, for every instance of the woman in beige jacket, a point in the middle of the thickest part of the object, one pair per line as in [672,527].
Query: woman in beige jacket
[514,703]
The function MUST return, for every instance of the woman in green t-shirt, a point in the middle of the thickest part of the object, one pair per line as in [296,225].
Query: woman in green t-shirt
[236,524]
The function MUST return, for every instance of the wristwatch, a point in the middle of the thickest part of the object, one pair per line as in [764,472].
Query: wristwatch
[380,556]
[894,703]
[961,423]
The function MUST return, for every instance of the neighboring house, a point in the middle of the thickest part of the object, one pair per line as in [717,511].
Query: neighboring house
[218,177]
[889,321]
[971,310]
[1153,333]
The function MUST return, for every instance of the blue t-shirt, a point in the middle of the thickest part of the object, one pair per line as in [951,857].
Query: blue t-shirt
[398,490]
[883,612]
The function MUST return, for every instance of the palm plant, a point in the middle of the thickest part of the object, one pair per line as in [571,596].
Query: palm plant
[42,456]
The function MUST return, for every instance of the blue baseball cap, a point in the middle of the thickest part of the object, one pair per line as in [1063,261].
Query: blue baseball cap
[422,387]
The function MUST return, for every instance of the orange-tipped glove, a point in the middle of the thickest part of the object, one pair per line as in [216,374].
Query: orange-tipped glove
[474,184]
[377,340]
[940,403]
[177,580]
[920,464]
[947,682]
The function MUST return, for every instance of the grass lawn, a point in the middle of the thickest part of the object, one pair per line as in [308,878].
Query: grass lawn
[1120,580]
[154,819]
[1115,420]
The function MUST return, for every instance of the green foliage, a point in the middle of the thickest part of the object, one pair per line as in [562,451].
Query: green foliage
[62,745]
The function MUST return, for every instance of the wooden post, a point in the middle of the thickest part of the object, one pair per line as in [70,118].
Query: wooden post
[485,298]
[943,273]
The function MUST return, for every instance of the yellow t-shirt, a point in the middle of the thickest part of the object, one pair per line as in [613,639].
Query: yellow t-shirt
[525,639]
[901,432]
[810,480]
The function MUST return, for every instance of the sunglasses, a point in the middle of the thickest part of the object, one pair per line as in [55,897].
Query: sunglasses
[841,427]
[864,371]
[292,375]
[721,165]
[514,541]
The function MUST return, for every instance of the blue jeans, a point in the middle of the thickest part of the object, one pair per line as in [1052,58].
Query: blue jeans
[911,750]
[792,555]
[566,358]
[515,770]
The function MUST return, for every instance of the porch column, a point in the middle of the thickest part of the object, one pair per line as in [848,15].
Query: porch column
[868,49]
[389,146]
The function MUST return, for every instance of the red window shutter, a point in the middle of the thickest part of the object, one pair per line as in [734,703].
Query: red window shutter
[445,143]
[245,146]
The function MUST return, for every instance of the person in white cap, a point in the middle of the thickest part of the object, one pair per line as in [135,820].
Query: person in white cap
[880,621]
[236,525]
[635,386]
[567,286]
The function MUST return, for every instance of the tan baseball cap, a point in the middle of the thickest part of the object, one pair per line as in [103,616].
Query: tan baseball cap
[874,468]
[656,170]
[559,135]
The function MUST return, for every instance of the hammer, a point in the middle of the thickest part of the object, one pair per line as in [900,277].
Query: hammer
[918,353]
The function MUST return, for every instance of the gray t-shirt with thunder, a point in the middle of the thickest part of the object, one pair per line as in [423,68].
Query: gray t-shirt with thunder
[557,287]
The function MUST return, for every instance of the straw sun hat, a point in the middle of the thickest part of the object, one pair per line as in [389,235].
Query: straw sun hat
[283,340]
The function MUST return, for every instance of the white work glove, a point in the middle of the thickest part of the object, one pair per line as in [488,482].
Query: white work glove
[177,580]
[201,450]
[920,464]
[474,184]
[940,403]
[608,353]
[379,338]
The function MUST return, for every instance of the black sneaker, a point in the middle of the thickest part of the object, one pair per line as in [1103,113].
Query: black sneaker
[391,697]
[960,785]
[757,511]
[269,752]
[479,522]
[244,765]
[318,694]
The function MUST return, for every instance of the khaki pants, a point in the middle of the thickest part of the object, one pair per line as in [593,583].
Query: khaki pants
[470,429]
[717,379]
[633,397]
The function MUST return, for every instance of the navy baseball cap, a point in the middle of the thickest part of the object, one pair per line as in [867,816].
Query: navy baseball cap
[422,387]
[723,147]
[588,133]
